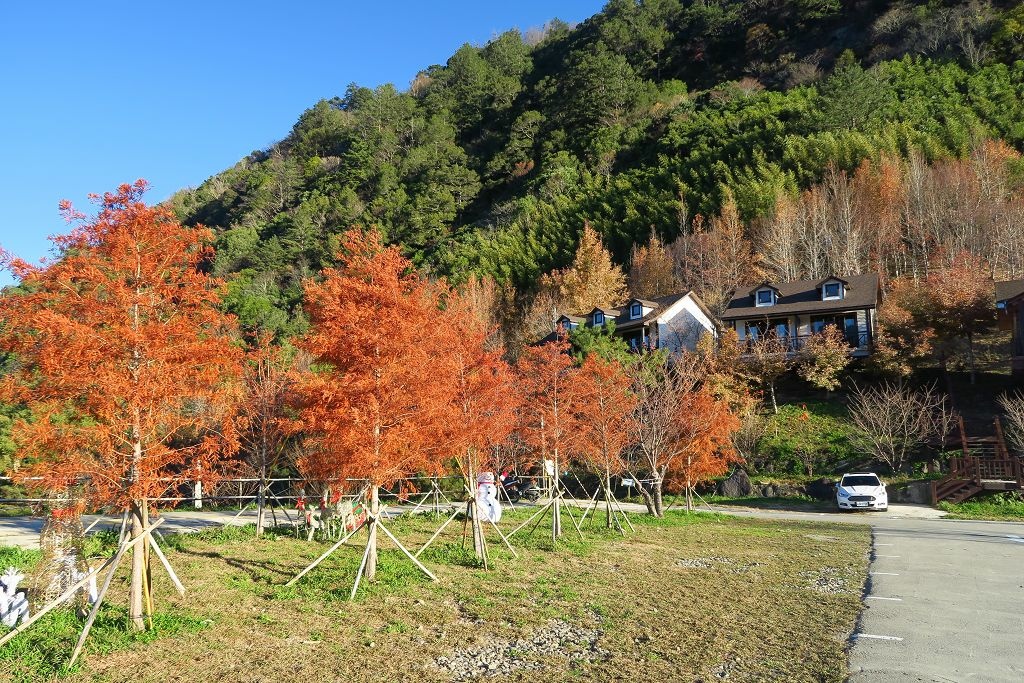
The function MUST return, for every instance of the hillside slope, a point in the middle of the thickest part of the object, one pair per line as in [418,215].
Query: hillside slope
[636,120]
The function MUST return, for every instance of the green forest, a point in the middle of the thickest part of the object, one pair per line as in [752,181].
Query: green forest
[646,119]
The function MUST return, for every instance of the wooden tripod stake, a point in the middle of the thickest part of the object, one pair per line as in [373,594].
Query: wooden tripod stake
[373,521]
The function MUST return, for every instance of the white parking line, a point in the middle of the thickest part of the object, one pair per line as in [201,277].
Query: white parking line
[881,544]
[883,573]
[1016,539]
[894,556]
[874,637]
[879,597]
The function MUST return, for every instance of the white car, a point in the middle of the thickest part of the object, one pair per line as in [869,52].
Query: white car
[861,491]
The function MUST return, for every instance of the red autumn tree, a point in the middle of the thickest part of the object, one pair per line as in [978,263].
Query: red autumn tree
[681,429]
[381,392]
[704,425]
[125,361]
[604,412]
[549,384]
[263,428]
[485,400]
[932,316]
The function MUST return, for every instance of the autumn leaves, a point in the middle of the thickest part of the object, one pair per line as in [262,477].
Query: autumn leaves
[137,382]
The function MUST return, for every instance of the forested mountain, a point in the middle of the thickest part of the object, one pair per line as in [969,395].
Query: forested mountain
[785,136]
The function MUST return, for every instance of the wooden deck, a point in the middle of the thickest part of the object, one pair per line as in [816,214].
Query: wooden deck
[986,465]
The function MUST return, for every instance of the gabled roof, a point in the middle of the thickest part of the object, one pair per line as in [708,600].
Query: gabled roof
[804,296]
[764,285]
[658,305]
[832,278]
[1009,289]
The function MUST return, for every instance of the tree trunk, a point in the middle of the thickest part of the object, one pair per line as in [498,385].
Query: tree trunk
[608,499]
[648,498]
[556,509]
[136,591]
[261,501]
[370,572]
[771,393]
[659,507]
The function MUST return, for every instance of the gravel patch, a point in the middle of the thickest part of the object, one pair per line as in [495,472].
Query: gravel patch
[829,580]
[502,657]
[728,565]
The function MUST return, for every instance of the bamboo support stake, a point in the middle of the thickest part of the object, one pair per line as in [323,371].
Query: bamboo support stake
[590,506]
[573,519]
[359,573]
[405,550]
[96,607]
[167,565]
[74,589]
[504,539]
[623,513]
[284,508]
[532,517]
[238,514]
[437,533]
[324,556]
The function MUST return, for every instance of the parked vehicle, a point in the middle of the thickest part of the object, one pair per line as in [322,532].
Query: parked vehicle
[861,491]
[517,489]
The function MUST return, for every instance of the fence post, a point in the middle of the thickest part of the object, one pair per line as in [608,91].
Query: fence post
[197,495]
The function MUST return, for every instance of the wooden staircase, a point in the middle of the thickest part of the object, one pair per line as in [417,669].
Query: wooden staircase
[986,465]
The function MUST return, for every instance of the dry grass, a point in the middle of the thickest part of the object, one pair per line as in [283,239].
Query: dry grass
[687,598]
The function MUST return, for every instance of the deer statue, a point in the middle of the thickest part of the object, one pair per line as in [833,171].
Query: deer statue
[13,603]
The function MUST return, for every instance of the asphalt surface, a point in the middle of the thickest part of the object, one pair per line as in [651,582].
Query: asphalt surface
[944,600]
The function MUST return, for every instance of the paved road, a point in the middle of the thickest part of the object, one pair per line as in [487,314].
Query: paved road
[944,601]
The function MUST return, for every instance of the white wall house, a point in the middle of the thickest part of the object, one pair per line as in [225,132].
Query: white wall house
[675,322]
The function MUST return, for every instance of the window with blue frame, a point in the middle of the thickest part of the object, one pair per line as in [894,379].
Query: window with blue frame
[634,311]
[765,297]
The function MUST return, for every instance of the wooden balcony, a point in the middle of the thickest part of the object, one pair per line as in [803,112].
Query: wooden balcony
[860,342]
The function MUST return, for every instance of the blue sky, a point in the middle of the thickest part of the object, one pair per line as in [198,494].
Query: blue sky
[99,93]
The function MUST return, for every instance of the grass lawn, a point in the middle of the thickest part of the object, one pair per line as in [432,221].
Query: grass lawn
[998,506]
[696,597]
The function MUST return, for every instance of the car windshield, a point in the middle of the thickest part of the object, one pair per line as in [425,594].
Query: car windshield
[861,480]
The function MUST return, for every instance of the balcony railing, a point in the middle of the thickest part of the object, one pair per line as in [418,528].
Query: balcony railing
[858,341]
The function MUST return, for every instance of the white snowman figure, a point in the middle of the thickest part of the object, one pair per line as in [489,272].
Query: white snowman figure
[13,604]
[487,497]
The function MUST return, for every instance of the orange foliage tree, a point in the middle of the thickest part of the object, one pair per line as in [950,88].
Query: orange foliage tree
[483,393]
[263,427]
[604,412]
[381,391]
[125,360]
[703,426]
[953,304]
[550,386]
[682,430]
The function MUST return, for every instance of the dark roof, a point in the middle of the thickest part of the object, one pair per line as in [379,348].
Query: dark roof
[804,296]
[608,312]
[1009,289]
[621,317]
[764,284]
